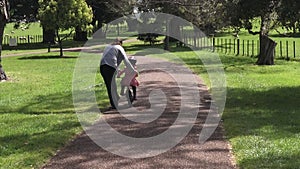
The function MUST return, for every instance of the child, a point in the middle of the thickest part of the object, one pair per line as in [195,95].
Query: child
[133,82]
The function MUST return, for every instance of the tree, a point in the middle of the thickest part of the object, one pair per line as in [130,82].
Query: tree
[4,16]
[26,11]
[23,10]
[289,15]
[242,13]
[207,15]
[106,11]
[102,14]
[63,15]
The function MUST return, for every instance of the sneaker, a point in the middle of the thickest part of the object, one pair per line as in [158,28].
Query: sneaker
[110,108]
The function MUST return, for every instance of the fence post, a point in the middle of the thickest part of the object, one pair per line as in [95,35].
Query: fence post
[238,47]
[218,45]
[221,45]
[214,44]
[252,48]
[49,46]
[287,50]
[229,45]
[243,47]
[233,46]
[294,48]
[248,48]
[280,48]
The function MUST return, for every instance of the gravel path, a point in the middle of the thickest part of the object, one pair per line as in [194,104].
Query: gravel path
[160,76]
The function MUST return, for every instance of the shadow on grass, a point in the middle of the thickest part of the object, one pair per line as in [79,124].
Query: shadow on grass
[248,111]
[56,103]
[59,103]
[268,120]
[46,57]
[36,147]
[277,161]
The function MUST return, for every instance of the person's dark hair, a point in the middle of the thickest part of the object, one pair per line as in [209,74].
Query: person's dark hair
[118,41]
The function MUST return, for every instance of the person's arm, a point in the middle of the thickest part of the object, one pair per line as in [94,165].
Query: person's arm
[131,70]
[120,72]
[125,58]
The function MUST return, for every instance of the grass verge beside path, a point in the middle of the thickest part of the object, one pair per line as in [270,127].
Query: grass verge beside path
[37,115]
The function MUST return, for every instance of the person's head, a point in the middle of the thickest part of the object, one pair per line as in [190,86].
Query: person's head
[133,61]
[118,41]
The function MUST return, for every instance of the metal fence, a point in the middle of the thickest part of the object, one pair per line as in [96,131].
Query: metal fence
[7,40]
[110,30]
[242,47]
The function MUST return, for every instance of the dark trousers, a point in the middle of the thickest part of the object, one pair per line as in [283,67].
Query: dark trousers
[134,91]
[108,74]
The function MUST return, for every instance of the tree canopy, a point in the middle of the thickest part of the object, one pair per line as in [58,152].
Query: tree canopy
[25,10]
[208,15]
[62,15]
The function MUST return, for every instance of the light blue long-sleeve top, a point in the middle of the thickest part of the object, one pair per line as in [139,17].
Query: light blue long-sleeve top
[113,55]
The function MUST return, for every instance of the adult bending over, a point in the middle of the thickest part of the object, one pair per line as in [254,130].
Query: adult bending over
[112,57]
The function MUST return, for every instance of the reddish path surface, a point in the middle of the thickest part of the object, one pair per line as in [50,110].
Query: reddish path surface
[84,153]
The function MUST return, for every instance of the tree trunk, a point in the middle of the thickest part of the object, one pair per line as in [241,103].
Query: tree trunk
[167,43]
[101,33]
[80,35]
[174,30]
[48,36]
[4,16]
[167,38]
[267,50]
[60,44]
[2,25]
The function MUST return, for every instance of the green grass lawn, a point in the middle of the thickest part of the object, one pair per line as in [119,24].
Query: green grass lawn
[37,114]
